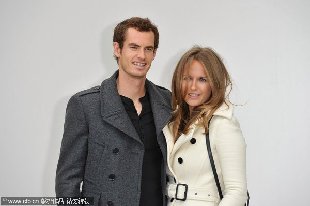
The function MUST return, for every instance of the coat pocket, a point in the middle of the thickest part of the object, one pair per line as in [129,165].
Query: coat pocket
[94,159]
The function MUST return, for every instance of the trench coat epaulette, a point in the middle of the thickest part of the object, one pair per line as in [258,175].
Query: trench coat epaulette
[95,89]
[163,89]
[160,87]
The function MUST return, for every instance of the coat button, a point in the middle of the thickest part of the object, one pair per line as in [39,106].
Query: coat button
[193,140]
[110,203]
[180,160]
[167,178]
[115,151]
[112,177]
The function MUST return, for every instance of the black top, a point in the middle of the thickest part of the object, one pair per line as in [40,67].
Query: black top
[151,190]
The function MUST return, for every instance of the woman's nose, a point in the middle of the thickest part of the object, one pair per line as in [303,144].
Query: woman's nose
[193,85]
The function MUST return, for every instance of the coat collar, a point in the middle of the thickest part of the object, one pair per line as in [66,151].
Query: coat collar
[114,113]
[225,110]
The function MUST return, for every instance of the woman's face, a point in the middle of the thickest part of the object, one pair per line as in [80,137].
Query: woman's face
[196,88]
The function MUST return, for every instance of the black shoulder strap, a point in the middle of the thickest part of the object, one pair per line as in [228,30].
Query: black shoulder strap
[216,178]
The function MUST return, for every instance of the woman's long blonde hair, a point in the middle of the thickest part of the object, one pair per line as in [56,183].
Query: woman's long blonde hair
[219,80]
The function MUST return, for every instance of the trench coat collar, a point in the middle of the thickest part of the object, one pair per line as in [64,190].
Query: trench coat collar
[114,113]
[225,110]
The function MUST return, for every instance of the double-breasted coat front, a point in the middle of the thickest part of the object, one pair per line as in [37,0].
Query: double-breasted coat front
[189,164]
[101,149]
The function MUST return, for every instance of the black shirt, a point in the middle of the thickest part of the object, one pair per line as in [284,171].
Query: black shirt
[151,190]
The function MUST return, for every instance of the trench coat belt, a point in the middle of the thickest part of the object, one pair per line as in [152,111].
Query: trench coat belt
[192,193]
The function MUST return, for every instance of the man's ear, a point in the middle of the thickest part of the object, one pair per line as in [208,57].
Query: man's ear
[154,54]
[117,49]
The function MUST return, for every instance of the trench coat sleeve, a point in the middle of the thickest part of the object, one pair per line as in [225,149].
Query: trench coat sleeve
[73,151]
[231,150]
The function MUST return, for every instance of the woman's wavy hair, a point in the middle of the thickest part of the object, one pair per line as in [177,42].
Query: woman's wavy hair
[220,84]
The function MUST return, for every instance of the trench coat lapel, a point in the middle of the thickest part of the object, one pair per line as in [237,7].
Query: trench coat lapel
[172,146]
[183,139]
[113,110]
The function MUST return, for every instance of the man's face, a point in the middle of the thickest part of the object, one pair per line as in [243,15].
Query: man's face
[137,54]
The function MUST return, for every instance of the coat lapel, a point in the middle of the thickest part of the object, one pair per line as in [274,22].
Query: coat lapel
[184,138]
[112,108]
[160,108]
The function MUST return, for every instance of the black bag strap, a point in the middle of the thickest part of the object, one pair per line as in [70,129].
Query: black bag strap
[216,178]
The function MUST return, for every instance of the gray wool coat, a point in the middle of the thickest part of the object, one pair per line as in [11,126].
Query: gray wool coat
[101,148]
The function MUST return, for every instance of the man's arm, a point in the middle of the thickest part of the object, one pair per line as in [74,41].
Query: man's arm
[73,151]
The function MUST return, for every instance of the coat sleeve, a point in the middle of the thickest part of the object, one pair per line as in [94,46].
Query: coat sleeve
[231,150]
[73,151]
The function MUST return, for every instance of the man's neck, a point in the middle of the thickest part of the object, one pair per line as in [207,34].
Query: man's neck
[133,88]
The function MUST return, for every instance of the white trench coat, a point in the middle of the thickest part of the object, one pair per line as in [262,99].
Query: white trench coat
[188,163]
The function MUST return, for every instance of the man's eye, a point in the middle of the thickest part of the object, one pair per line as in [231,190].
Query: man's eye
[149,49]
[134,47]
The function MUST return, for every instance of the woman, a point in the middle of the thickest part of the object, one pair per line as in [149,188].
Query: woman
[199,89]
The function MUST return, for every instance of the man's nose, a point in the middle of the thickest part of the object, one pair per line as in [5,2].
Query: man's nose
[141,53]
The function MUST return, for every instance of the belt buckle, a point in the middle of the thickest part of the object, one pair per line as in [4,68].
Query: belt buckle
[185,192]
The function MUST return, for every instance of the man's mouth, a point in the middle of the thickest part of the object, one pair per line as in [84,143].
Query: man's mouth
[139,64]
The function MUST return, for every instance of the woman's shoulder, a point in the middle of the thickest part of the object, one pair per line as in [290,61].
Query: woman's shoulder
[224,116]
[225,127]
[226,110]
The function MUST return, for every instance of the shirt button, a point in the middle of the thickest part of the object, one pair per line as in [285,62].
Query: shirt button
[180,160]
[112,177]
[193,141]
[110,203]
[115,151]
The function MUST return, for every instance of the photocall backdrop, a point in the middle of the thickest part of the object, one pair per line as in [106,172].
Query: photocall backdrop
[51,49]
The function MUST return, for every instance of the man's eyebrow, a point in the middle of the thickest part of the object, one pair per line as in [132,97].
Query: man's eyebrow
[134,44]
[149,47]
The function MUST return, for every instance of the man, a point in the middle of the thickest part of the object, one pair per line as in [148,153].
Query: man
[113,143]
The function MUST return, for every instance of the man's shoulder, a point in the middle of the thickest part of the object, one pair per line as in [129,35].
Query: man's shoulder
[88,97]
[162,88]
[92,90]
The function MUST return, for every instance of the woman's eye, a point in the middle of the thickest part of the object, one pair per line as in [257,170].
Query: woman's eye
[186,78]
[202,79]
